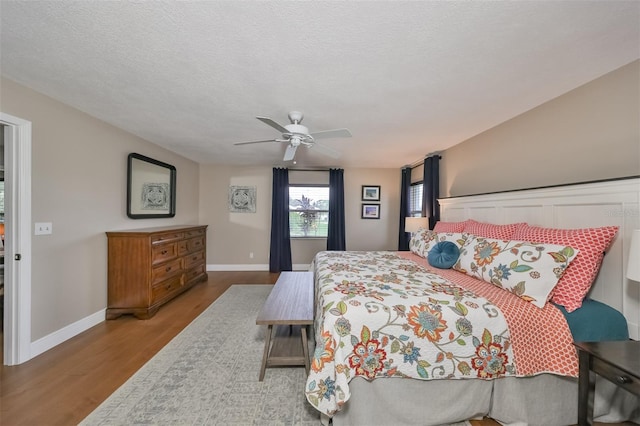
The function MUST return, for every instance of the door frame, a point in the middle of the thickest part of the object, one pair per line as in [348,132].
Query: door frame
[17,287]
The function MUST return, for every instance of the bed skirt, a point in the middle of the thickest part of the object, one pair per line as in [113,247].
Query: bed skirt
[541,400]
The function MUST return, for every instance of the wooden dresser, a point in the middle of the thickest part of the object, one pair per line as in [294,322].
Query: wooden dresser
[148,267]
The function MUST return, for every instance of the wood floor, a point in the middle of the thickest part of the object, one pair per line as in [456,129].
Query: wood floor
[63,385]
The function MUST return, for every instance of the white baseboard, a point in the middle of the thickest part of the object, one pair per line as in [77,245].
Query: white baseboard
[238,267]
[54,339]
[253,267]
[301,267]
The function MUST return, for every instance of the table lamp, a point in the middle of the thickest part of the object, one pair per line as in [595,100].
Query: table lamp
[412,224]
[633,264]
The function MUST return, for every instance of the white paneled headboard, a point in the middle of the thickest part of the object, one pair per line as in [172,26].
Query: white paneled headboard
[586,205]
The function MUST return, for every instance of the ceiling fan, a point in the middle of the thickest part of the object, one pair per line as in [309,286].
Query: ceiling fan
[295,134]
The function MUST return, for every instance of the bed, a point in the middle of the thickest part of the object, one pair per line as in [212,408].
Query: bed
[400,341]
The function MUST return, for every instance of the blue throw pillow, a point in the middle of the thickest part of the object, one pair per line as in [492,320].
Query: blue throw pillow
[443,255]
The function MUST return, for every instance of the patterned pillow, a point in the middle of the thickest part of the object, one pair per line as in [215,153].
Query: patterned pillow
[490,230]
[528,270]
[592,243]
[459,238]
[423,241]
[449,226]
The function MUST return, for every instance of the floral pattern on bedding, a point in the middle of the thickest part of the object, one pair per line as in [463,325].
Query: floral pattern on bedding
[379,315]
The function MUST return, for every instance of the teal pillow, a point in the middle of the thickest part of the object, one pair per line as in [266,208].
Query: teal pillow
[443,255]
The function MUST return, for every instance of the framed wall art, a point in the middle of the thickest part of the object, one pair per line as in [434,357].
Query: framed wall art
[242,199]
[151,188]
[370,192]
[371,211]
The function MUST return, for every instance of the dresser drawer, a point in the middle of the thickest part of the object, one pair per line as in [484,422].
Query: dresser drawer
[194,233]
[162,272]
[195,244]
[163,252]
[165,289]
[183,248]
[194,272]
[193,258]
[169,236]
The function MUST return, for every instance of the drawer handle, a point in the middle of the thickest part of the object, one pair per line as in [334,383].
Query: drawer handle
[623,380]
[194,258]
[164,252]
[168,268]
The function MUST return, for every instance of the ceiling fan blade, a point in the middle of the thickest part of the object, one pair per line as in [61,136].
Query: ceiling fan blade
[273,124]
[290,153]
[335,133]
[326,150]
[248,143]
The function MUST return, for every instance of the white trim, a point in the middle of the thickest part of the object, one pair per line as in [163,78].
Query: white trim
[253,267]
[51,340]
[17,291]
[249,267]
[302,267]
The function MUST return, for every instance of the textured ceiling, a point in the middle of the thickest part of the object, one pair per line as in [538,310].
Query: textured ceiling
[406,78]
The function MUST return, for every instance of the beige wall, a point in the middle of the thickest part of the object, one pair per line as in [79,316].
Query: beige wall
[372,234]
[233,236]
[79,169]
[590,133]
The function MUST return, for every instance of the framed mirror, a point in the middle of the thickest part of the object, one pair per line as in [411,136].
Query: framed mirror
[151,188]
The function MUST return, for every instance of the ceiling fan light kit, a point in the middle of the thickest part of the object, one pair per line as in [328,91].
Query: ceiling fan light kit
[295,134]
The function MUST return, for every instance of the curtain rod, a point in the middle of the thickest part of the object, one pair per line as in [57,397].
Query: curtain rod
[311,170]
[421,160]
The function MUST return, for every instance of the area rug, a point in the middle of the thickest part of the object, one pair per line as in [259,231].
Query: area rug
[208,375]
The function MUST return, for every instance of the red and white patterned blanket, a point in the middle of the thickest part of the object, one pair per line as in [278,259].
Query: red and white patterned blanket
[388,314]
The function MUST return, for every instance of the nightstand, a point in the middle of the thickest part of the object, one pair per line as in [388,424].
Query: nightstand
[616,361]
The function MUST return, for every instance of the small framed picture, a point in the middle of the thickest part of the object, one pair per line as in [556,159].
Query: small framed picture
[242,199]
[370,192]
[371,211]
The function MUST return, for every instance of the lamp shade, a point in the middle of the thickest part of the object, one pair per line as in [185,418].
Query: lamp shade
[412,224]
[633,264]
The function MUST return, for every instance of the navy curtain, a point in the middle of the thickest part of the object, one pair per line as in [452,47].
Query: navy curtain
[405,194]
[336,234]
[280,253]
[431,189]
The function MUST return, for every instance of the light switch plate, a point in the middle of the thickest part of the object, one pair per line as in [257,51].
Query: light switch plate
[43,228]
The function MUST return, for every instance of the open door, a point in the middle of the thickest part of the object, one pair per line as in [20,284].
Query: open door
[17,272]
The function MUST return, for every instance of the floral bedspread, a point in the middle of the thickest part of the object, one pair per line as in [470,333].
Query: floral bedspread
[380,315]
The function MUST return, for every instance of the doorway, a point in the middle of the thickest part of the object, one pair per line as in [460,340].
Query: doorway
[17,248]
[1,245]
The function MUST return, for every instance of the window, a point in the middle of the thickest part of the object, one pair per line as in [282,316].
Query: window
[308,211]
[415,200]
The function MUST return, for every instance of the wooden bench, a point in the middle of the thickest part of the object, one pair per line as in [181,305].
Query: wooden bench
[290,304]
